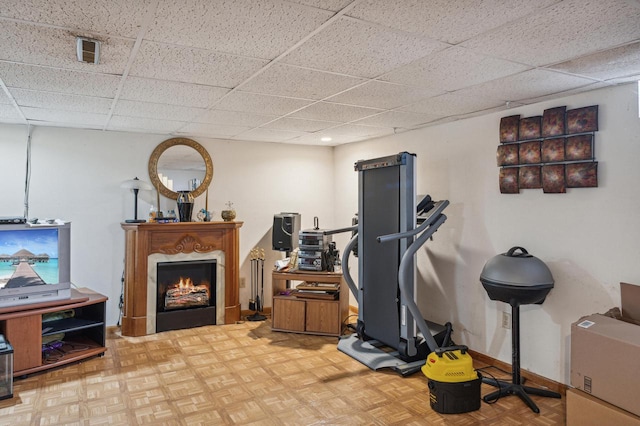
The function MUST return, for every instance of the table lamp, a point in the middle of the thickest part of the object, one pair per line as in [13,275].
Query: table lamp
[136,185]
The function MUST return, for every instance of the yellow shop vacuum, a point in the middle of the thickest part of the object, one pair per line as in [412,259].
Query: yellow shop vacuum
[454,385]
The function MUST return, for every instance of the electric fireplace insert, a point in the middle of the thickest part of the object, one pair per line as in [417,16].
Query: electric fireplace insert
[186,295]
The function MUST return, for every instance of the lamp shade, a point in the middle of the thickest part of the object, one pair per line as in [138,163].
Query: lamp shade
[135,184]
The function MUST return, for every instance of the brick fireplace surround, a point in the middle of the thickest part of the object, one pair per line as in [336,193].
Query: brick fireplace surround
[146,243]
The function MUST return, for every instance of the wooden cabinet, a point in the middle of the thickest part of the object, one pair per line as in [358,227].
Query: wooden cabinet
[80,320]
[312,316]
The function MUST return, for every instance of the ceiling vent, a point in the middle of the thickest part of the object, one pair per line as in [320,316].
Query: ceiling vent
[88,50]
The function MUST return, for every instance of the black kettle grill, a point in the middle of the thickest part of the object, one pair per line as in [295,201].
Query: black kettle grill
[516,279]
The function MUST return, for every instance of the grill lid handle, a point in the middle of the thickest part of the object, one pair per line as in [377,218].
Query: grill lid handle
[512,250]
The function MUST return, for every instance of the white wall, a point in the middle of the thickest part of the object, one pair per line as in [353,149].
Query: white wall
[589,237]
[76,176]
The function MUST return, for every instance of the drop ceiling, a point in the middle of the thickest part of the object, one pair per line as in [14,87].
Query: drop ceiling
[301,70]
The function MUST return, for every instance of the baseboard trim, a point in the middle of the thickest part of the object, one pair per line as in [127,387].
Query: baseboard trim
[540,380]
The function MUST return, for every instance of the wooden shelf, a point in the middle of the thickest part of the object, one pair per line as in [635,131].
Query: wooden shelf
[68,325]
[92,349]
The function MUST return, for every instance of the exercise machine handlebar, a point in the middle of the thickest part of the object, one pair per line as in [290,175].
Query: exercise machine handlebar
[345,266]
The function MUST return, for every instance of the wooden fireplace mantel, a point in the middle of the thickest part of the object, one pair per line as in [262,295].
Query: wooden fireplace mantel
[144,239]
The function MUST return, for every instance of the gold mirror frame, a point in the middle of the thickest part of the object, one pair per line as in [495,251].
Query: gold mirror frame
[153,166]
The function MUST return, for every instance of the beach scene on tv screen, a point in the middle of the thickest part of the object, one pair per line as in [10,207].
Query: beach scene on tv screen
[28,257]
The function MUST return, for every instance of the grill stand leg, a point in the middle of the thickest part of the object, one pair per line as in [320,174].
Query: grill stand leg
[516,387]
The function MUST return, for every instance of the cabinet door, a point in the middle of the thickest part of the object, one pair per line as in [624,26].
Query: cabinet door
[25,335]
[288,313]
[323,317]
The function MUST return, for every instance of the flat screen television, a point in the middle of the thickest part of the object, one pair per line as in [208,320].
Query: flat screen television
[35,263]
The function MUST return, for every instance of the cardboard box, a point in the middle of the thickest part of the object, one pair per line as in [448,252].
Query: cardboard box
[586,410]
[605,354]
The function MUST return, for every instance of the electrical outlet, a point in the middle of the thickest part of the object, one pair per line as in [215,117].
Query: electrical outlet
[243,282]
[506,320]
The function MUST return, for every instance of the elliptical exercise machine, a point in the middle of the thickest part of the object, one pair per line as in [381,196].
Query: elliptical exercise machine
[391,228]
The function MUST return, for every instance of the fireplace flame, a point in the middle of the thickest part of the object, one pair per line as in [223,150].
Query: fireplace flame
[185,293]
[185,284]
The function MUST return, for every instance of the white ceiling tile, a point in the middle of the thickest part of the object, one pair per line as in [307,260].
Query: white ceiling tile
[310,139]
[61,101]
[9,114]
[529,84]
[379,94]
[563,31]
[398,119]
[256,103]
[57,80]
[296,82]
[453,69]
[623,80]
[445,20]
[347,130]
[300,124]
[334,112]
[615,63]
[115,17]
[191,65]
[268,135]
[139,124]
[453,103]
[256,28]
[85,119]
[213,130]
[357,48]
[347,133]
[4,98]
[31,44]
[587,88]
[333,5]
[234,118]
[156,111]
[171,92]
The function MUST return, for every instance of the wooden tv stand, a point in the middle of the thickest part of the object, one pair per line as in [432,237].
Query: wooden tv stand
[23,328]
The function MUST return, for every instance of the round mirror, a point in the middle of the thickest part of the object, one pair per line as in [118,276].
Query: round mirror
[180,164]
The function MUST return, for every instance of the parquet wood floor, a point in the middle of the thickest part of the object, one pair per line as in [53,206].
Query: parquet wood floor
[241,374]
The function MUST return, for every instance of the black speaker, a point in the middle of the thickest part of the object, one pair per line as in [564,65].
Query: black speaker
[286,227]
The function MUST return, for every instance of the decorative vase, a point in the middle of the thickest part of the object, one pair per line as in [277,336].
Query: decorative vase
[185,205]
[228,215]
